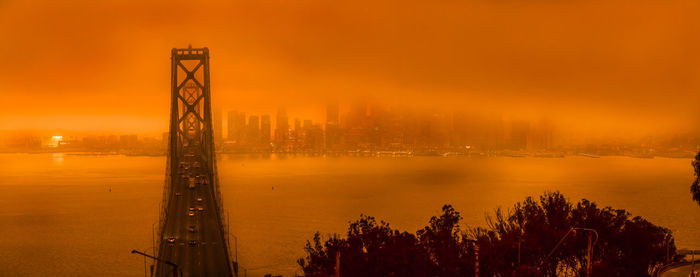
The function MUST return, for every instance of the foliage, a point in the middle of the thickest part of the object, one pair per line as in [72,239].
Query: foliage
[513,244]
[695,187]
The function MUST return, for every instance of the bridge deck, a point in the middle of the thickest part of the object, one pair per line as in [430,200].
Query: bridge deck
[207,255]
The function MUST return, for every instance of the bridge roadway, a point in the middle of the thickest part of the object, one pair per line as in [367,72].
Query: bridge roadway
[199,252]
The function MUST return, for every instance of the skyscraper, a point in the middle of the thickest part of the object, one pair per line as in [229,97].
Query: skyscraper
[298,137]
[332,126]
[282,129]
[265,128]
[236,126]
[253,134]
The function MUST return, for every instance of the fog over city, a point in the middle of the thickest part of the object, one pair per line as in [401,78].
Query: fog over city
[593,68]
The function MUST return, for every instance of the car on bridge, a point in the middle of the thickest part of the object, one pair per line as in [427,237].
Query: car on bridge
[190,213]
[193,243]
[171,240]
[199,199]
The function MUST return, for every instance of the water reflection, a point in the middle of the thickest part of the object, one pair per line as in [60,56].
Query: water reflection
[60,217]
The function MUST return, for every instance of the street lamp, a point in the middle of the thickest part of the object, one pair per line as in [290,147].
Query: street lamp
[145,268]
[589,250]
[164,261]
[228,242]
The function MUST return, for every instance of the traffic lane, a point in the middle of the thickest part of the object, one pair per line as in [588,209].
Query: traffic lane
[177,215]
[214,247]
[211,243]
[208,257]
[169,251]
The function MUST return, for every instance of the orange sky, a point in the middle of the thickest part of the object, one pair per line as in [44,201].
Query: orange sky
[629,66]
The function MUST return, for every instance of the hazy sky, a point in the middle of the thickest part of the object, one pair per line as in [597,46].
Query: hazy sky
[629,66]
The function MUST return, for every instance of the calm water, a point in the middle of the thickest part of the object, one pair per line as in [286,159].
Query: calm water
[58,215]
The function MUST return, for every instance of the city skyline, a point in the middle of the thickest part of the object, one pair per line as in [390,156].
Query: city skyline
[364,127]
[594,66]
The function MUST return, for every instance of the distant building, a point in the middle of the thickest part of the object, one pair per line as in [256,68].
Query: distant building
[356,133]
[265,129]
[253,134]
[236,126]
[540,137]
[282,130]
[332,141]
[298,135]
[519,132]
[438,131]
[128,141]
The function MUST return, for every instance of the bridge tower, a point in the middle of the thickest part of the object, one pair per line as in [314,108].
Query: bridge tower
[193,234]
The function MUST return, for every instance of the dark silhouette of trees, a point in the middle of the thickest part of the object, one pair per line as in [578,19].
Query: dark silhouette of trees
[695,187]
[441,239]
[370,249]
[513,244]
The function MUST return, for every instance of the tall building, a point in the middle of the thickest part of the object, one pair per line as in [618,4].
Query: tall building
[128,141]
[540,137]
[356,135]
[253,134]
[265,128]
[298,136]
[332,126]
[313,137]
[438,130]
[236,126]
[282,130]
[519,132]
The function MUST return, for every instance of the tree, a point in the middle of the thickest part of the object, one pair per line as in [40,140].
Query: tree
[513,244]
[441,240]
[695,187]
[370,249]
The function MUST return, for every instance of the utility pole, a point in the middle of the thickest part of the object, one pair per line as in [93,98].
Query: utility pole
[588,255]
[337,263]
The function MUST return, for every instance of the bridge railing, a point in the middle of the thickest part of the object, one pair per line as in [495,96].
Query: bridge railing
[163,209]
[220,210]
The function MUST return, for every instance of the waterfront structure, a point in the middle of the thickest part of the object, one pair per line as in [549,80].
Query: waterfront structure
[192,237]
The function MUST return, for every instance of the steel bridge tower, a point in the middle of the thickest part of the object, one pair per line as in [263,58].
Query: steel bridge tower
[192,230]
